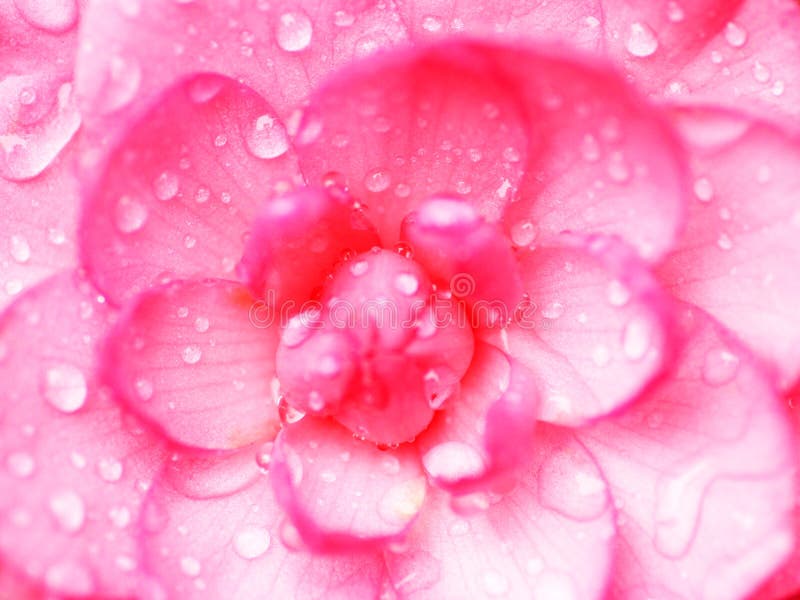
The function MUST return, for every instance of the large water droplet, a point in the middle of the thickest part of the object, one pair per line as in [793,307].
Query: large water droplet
[735,35]
[55,16]
[191,354]
[251,542]
[452,461]
[266,137]
[129,215]
[68,509]
[65,388]
[293,31]
[642,40]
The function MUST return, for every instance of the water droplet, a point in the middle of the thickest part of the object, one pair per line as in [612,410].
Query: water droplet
[122,84]
[618,169]
[68,509]
[720,366]
[679,495]
[289,414]
[220,140]
[523,233]
[494,583]
[617,293]
[703,189]
[431,24]
[642,40]
[110,469]
[553,310]
[264,456]
[266,137]
[202,195]
[343,18]
[590,148]
[761,72]
[120,516]
[377,180]
[735,35]
[20,249]
[65,388]
[328,476]
[402,501]
[724,242]
[55,16]
[293,32]
[191,354]
[406,283]
[201,324]
[20,464]
[458,527]
[675,12]
[69,579]
[359,268]
[190,566]
[251,542]
[452,461]
[182,312]
[296,332]
[290,537]
[165,186]
[636,338]
[144,389]
[129,215]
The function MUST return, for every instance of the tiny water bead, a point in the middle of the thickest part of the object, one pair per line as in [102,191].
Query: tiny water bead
[68,509]
[165,185]
[191,354]
[251,542]
[266,137]
[130,215]
[65,388]
[642,41]
[293,31]
[735,35]
[20,249]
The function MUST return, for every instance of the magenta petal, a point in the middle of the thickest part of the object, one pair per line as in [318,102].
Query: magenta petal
[295,242]
[403,126]
[740,254]
[177,196]
[595,333]
[552,537]
[75,467]
[471,258]
[37,227]
[487,431]
[191,358]
[702,469]
[241,546]
[342,492]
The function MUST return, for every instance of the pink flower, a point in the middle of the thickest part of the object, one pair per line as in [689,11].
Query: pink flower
[399,300]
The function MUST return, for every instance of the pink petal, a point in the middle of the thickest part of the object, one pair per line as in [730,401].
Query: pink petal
[37,231]
[596,331]
[74,466]
[740,254]
[280,48]
[487,430]
[573,20]
[736,53]
[549,538]
[401,127]
[241,546]
[15,587]
[463,253]
[38,111]
[606,162]
[177,196]
[343,492]
[297,239]
[702,471]
[192,358]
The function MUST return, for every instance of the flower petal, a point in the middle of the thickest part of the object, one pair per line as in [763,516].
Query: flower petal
[177,196]
[296,241]
[737,53]
[467,255]
[74,466]
[342,492]
[740,254]
[37,232]
[551,537]
[487,430]
[403,126]
[191,358]
[702,472]
[606,163]
[280,48]
[241,546]
[595,333]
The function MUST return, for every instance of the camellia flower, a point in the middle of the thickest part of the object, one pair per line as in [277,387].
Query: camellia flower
[414,300]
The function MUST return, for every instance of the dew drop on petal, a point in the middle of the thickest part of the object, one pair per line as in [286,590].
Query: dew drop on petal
[451,461]
[494,583]
[191,354]
[642,40]
[293,31]
[703,189]
[553,310]
[735,35]
[675,12]
[190,566]
[377,180]
[109,469]
[720,366]
[406,283]
[124,78]
[69,579]
[636,338]
[264,456]
[165,186]
[129,215]
[523,233]
[266,137]
[20,464]
[65,388]
[251,542]
[55,16]
[20,249]
[201,324]
[68,510]
[618,293]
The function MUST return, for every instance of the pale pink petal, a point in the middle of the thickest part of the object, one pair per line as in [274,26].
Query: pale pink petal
[551,537]
[37,230]
[177,196]
[595,332]
[38,111]
[192,358]
[405,125]
[75,468]
[241,546]
[575,21]
[342,492]
[606,161]
[471,258]
[740,254]
[280,48]
[736,53]
[487,431]
[702,471]
[296,241]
